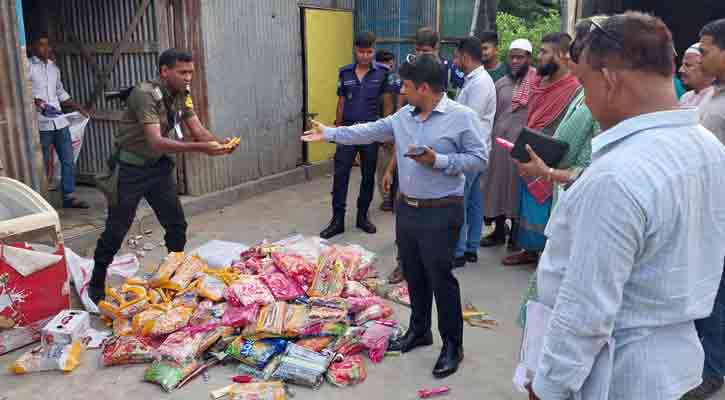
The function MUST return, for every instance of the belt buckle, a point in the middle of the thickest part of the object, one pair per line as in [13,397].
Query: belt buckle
[412,203]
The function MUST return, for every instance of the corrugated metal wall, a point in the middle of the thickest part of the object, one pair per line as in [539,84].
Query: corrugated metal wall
[456,16]
[100,26]
[253,57]
[395,21]
[20,156]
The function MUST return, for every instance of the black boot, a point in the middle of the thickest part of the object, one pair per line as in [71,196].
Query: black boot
[411,340]
[336,227]
[449,360]
[364,223]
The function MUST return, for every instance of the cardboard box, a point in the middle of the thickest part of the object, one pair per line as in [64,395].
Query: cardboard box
[66,327]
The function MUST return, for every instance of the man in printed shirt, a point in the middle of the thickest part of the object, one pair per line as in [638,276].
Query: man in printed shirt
[49,95]
[712,116]
[635,251]
[437,141]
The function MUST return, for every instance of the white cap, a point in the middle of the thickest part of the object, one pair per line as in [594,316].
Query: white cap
[522,44]
[694,49]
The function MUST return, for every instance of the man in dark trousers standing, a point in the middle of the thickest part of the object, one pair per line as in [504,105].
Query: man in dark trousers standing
[437,140]
[141,167]
[359,89]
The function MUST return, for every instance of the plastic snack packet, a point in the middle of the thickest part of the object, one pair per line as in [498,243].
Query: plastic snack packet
[326,314]
[180,347]
[296,320]
[295,267]
[63,357]
[237,316]
[167,268]
[350,371]
[272,318]
[376,339]
[211,287]
[358,304]
[144,322]
[329,277]
[192,268]
[374,312]
[255,353]
[282,287]
[259,391]
[263,374]
[249,289]
[172,321]
[302,366]
[169,374]
[316,344]
[428,393]
[355,289]
[122,327]
[127,350]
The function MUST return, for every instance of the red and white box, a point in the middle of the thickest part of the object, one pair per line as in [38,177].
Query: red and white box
[34,284]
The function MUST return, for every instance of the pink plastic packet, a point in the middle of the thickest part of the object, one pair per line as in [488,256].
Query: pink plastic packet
[239,316]
[358,304]
[296,268]
[282,287]
[428,393]
[376,340]
[248,290]
[505,144]
[355,289]
[373,313]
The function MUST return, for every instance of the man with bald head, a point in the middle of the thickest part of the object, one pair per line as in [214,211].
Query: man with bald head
[635,251]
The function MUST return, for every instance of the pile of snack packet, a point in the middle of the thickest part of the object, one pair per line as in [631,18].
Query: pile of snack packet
[295,312]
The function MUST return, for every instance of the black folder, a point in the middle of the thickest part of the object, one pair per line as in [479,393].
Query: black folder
[550,150]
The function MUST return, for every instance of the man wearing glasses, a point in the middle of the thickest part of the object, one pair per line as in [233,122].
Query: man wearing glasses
[437,141]
[635,244]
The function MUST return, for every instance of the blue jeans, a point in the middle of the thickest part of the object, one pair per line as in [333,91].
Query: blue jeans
[473,217]
[712,335]
[63,144]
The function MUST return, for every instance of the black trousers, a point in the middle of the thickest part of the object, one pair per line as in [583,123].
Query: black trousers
[157,185]
[344,158]
[427,240]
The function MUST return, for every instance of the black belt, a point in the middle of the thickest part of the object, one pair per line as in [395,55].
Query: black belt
[431,203]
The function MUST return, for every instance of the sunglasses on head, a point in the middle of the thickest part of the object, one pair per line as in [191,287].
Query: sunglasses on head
[575,49]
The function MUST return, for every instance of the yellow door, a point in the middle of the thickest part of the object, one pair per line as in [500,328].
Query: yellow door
[328,46]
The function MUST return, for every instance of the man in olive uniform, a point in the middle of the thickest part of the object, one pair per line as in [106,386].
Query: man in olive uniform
[141,168]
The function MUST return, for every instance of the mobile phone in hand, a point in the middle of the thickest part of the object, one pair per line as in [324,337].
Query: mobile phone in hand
[416,150]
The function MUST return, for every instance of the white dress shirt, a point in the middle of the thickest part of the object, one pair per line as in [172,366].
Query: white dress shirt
[479,94]
[634,256]
[47,86]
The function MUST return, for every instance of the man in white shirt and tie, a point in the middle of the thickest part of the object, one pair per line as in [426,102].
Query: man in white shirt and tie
[49,95]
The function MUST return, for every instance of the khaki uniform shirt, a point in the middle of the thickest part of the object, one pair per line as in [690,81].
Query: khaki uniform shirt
[151,103]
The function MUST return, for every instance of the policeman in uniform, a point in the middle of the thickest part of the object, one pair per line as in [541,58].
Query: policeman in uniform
[141,167]
[359,90]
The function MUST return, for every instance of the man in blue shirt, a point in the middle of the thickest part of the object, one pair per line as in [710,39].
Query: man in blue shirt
[359,89]
[427,41]
[437,141]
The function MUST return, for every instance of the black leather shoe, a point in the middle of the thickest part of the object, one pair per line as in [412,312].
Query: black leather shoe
[470,257]
[449,360]
[459,262]
[365,225]
[336,227]
[409,341]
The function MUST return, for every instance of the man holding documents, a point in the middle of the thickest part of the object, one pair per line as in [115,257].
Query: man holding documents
[635,251]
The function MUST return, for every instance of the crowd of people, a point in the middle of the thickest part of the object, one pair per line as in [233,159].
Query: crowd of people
[626,230]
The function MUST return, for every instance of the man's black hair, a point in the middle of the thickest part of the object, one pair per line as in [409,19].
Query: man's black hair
[427,36]
[471,46]
[425,69]
[36,38]
[383,56]
[716,30]
[170,57]
[558,39]
[489,37]
[365,40]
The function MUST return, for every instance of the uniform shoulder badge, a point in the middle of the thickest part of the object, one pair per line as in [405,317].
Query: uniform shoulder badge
[189,103]
[157,94]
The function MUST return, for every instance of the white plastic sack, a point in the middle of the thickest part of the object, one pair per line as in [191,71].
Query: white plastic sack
[81,269]
[220,254]
[77,128]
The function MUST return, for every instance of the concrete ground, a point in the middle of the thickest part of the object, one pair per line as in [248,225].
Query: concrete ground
[490,355]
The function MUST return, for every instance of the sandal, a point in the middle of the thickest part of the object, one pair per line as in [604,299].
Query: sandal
[521,258]
[75,203]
